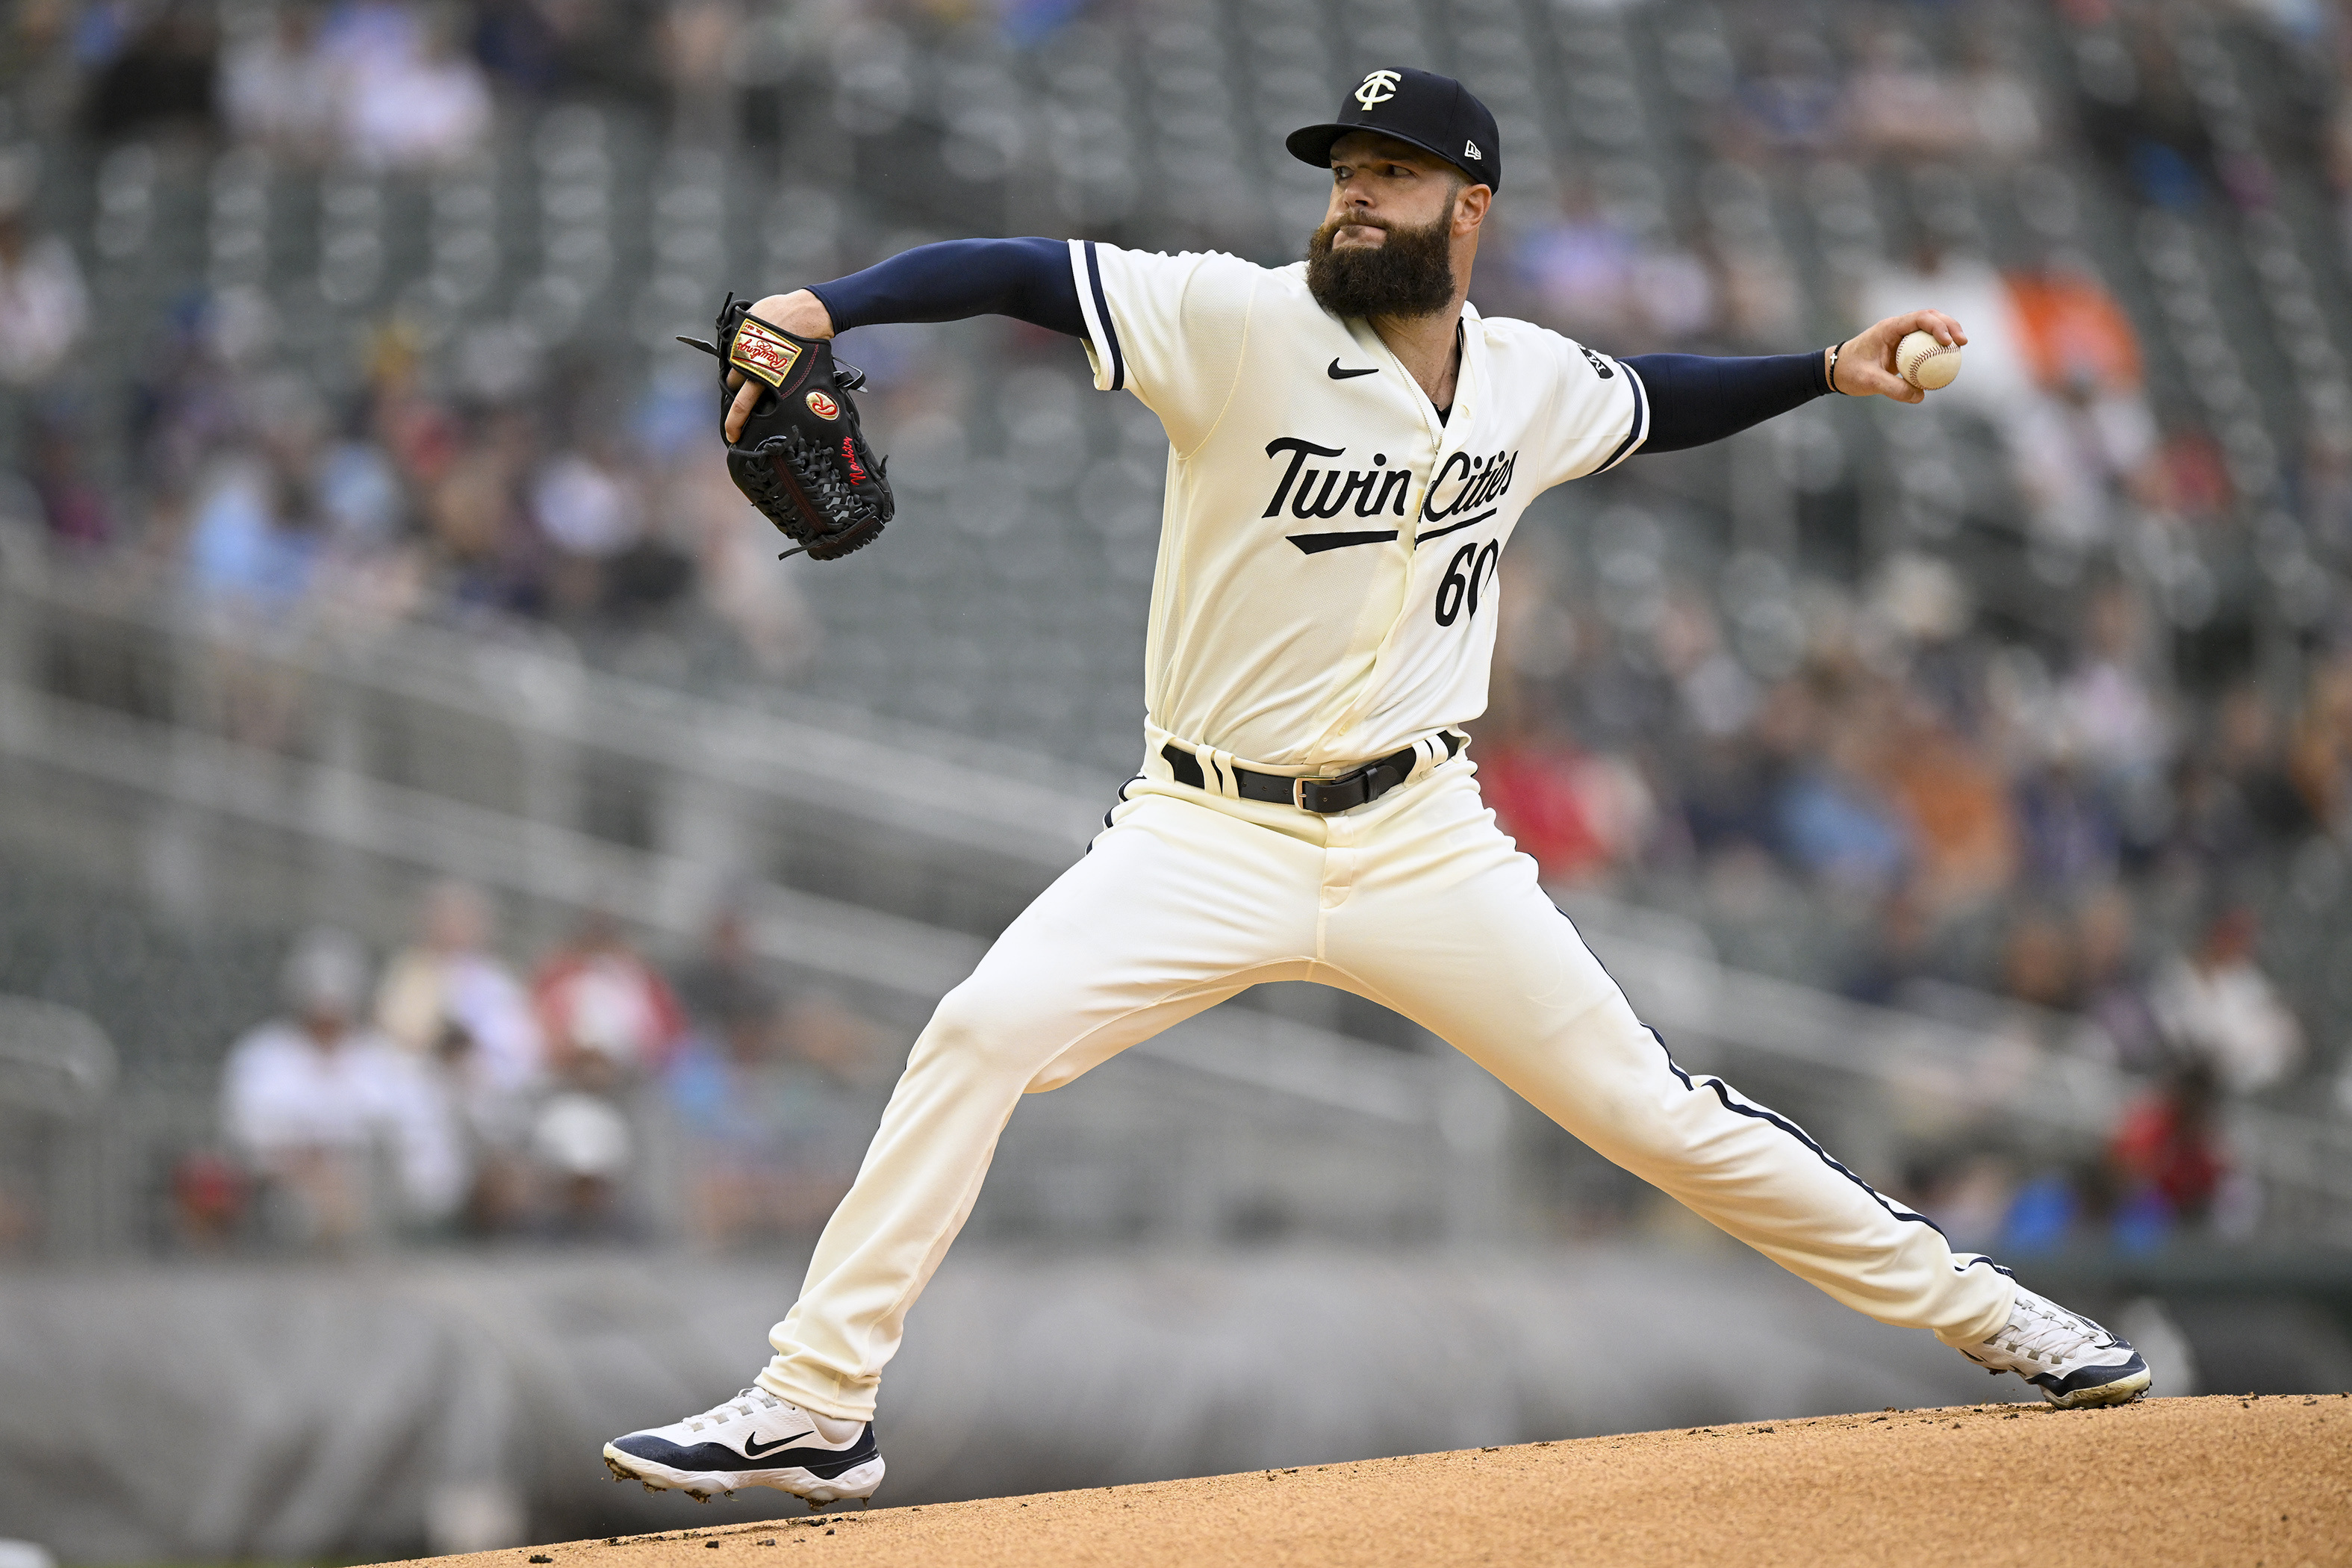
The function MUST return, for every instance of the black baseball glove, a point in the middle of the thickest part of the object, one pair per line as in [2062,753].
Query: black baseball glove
[800,457]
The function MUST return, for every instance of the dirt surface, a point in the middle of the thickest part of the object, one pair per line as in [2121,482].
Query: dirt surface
[2216,1481]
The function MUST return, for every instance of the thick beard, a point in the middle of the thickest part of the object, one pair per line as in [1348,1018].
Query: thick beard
[1410,274]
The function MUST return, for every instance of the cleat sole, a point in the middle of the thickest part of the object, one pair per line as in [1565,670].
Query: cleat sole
[858,1483]
[2122,1391]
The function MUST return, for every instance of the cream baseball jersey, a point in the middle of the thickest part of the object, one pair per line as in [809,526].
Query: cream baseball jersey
[1324,593]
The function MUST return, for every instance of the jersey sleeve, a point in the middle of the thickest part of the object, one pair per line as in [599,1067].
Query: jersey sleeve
[1169,329]
[1598,414]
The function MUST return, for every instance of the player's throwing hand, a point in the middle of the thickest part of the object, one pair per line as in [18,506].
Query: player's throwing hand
[1864,363]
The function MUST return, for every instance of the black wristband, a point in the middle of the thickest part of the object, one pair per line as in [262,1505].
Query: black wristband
[1829,372]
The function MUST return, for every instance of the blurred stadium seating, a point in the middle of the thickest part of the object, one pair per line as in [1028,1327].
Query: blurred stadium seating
[360,531]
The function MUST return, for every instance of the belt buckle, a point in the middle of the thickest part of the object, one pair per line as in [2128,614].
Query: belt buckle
[1300,789]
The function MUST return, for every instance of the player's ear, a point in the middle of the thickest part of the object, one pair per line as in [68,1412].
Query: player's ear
[1470,204]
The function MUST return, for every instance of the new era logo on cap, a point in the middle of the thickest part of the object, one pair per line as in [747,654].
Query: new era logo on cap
[1432,113]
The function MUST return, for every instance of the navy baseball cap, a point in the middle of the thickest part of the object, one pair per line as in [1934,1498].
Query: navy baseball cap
[1435,113]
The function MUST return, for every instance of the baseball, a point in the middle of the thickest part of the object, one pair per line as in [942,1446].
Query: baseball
[1925,363]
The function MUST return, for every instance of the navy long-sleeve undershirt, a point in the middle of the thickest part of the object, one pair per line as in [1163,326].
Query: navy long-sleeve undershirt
[1693,398]
[1028,280]
[1698,398]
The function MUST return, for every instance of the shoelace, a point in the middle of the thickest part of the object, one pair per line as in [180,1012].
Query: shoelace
[740,1405]
[2039,1332]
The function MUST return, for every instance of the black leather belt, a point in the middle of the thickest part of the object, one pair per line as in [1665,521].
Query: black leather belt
[1322,796]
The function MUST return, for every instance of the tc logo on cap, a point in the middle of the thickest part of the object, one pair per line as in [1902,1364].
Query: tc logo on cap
[1378,88]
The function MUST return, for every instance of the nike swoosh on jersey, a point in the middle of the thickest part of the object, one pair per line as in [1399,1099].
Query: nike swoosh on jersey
[753,1447]
[1316,543]
[1336,374]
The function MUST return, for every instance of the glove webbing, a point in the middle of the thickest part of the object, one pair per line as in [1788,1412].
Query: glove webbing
[818,481]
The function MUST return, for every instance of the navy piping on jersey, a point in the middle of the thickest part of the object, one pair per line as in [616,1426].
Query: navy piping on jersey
[1641,420]
[1102,313]
[1723,1093]
[1117,804]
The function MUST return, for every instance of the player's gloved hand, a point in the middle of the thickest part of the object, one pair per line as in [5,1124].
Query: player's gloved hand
[1865,362]
[794,446]
[801,313]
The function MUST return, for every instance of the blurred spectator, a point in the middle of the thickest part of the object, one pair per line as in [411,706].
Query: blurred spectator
[491,554]
[312,1100]
[1578,815]
[450,982]
[77,510]
[775,1119]
[2060,1206]
[451,1002]
[2108,985]
[581,1141]
[726,986]
[158,73]
[1795,104]
[278,89]
[409,99]
[1899,103]
[1580,269]
[255,538]
[2218,1010]
[2114,719]
[696,39]
[43,305]
[1835,821]
[2038,959]
[2067,832]
[2073,331]
[584,508]
[2320,762]
[2005,117]
[2167,1157]
[1899,951]
[519,44]
[597,999]
[1961,829]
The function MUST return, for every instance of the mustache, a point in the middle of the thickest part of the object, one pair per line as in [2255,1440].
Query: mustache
[1409,273]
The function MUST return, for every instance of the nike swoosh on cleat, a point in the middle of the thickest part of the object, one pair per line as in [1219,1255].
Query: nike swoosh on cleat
[1336,374]
[753,1447]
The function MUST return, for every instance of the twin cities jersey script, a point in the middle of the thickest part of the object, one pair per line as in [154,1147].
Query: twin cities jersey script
[1325,586]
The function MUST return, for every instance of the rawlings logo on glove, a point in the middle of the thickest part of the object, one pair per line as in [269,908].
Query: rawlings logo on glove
[800,457]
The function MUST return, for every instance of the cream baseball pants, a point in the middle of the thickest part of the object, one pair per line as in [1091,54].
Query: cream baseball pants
[1417,901]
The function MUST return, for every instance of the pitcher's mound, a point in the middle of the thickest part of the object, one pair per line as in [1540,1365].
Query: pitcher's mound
[2168,1480]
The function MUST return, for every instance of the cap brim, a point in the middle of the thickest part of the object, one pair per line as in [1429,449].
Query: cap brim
[1312,144]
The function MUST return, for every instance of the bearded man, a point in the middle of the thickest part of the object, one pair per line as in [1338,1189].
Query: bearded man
[1350,445]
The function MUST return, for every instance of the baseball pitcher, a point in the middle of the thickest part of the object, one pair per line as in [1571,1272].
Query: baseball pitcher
[1350,446]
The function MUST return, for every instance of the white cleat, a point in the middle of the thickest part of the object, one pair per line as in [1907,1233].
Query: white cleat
[754,1439]
[2072,1360]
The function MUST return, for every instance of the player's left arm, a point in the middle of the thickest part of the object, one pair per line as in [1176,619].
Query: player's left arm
[950,281]
[1697,398]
